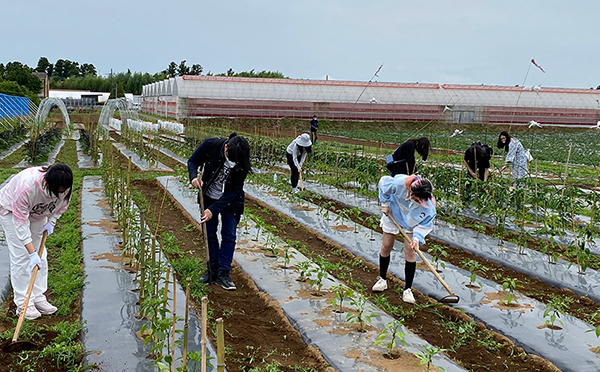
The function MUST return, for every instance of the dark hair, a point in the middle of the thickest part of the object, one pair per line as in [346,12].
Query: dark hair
[57,176]
[238,150]
[422,189]
[422,147]
[307,149]
[482,151]
[503,145]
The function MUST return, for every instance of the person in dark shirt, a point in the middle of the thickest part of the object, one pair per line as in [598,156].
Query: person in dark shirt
[314,125]
[477,158]
[404,156]
[226,164]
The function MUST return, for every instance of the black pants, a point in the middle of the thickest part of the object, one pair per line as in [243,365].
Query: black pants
[313,135]
[295,174]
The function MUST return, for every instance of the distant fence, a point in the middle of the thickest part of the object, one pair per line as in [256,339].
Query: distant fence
[13,107]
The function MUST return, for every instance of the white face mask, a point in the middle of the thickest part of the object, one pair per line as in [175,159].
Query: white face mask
[231,163]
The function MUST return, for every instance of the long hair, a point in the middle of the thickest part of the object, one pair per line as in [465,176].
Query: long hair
[306,149]
[422,188]
[422,147]
[238,150]
[57,176]
[503,145]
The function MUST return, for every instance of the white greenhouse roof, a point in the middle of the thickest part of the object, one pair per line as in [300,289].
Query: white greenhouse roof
[220,87]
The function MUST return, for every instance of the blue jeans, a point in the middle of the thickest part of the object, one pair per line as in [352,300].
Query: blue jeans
[221,257]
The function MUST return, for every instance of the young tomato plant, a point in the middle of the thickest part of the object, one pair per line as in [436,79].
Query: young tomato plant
[359,316]
[510,286]
[393,329]
[341,292]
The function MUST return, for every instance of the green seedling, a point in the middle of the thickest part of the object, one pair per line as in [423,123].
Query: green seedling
[304,270]
[393,330]
[473,266]
[438,254]
[272,246]
[288,254]
[555,308]
[359,316]
[341,292]
[510,286]
[426,356]
[318,281]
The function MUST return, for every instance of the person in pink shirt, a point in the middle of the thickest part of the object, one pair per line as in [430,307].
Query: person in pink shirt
[30,204]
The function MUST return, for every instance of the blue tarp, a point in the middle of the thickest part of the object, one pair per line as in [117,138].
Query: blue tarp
[12,106]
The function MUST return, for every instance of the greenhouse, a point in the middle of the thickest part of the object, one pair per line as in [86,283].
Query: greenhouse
[208,96]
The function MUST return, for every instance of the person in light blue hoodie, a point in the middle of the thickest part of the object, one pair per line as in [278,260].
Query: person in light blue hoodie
[409,200]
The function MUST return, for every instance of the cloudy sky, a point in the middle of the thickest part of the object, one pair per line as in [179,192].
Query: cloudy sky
[440,41]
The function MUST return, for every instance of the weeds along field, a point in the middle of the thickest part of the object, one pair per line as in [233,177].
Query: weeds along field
[524,261]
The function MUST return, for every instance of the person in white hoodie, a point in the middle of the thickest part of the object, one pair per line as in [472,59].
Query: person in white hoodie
[30,204]
[296,155]
[409,199]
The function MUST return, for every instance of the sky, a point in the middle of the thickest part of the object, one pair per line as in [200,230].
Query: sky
[426,41]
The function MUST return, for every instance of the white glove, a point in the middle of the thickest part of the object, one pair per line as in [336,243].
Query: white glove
[34,259]
[49,226]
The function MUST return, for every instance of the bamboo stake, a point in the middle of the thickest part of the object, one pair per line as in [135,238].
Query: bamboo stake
[166,291]
[220,346]
[174,312]
[186,322]
[203,342]
[142,260]
[566,170]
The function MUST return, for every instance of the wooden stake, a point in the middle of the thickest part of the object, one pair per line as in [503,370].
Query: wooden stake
[203,342]
[220,346]
[174,312]
[186,322]
[567,170]
[142,260]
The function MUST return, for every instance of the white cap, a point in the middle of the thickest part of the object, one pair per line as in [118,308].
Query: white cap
[303,140]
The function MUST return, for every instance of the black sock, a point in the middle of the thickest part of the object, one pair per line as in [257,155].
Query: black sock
[384,263]
[409,273]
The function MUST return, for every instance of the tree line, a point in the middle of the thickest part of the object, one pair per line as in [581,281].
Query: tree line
[17,78]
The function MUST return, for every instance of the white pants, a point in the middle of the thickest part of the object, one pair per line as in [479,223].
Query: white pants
[20,275]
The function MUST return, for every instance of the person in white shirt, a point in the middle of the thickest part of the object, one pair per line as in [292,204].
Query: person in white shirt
[30,204]
[296,155]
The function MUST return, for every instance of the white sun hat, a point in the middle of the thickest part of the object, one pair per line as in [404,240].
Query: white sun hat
[303,140]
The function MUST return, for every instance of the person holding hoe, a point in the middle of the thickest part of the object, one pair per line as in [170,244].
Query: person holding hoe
[226,163]
[30,204]
[402,161]
[296,155]
[409,200]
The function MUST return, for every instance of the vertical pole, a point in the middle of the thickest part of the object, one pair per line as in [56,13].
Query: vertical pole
[203,342]
[174,322]
[142,260]
[186,322]
[220,346]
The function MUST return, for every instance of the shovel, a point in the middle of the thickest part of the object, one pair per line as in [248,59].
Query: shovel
[452,298]
[26,345]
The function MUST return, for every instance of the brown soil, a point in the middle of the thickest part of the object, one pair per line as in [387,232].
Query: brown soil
[430,321]
[255,325]
[579,306]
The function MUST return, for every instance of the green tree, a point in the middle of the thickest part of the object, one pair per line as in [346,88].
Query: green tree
[120,91]
[196,69]
[171,71]
[87,69]
[45,66]
[183,69]
[22,74]
[12,88]
[63,68]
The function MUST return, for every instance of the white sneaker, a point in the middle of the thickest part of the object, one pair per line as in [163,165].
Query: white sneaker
[45,307]
[407,296]
[296,190]
[31,312]
[380,286]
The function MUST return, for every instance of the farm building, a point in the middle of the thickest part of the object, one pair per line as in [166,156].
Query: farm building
[208,96]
